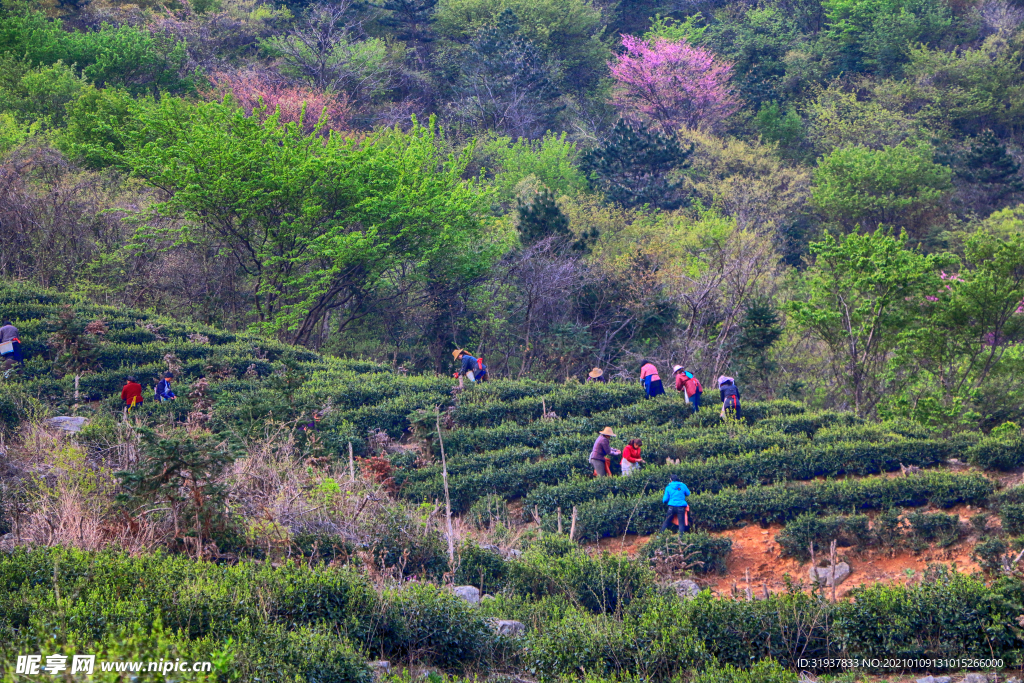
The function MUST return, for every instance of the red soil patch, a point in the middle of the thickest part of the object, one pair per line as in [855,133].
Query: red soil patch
[756,554]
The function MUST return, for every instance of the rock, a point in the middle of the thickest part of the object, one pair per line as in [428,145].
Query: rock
[686,588]
[68,424]
[470,594]
[823,575]
[510,628]
[934,679]
[513,554]
[486,596]
[490,546]
[976,678]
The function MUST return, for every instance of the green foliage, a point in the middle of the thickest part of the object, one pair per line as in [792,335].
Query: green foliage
[892,186]
[997,453]
[637,166]
[779,503]
[937,527]
[123,56]
[551,160]
[541,217]
[706,554]
[764,671]
[810,529]
[1012,517]
[878,34]
[860,294]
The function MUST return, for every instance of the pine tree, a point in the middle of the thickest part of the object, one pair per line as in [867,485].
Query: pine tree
[633,164]
[759,330]
[410,20]
[541,217]
[989,166]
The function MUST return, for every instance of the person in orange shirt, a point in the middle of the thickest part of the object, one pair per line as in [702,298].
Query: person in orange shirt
[131,394]
[631,457]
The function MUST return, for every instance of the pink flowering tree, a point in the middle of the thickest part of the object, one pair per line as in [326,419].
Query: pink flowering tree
[253,90]
[672,83]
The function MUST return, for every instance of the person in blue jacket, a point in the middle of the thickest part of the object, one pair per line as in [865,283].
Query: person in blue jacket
[675,495]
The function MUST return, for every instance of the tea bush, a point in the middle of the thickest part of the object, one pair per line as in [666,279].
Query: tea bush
[810,529]
[779,503]
[708,554]
[997,453]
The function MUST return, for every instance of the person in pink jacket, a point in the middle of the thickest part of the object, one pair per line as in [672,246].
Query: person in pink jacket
[651,380]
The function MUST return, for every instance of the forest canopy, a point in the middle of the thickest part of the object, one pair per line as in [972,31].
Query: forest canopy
[821,198]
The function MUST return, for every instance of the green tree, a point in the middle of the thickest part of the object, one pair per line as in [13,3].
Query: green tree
[634,166]
[568,33]
[866,187]
[860,294]
[990,172]
[972,322]
[314,226]
[877,35]
[541,217]
[185,472]
[760,328]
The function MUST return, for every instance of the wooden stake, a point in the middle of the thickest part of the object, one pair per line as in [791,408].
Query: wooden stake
[766,593]
[832,561]
[536,518]
[750,593]
[351,464]
[559,519]
[572,526]
[447,497]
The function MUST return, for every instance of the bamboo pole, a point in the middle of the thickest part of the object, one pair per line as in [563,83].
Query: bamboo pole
[572,526]
[559,519]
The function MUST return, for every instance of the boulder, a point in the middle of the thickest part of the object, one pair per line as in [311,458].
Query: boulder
[686,588]
[510,628]
[470,594]
[68,424]
[823,575]
[486,597]
[976,678]
[513,554]
[934,679]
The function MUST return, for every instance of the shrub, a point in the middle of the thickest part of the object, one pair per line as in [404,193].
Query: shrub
[936,527]
[781,502]
[1012,516]
[997,453]
[807,529]
[481,567]
[764,671]
[705,552]
[989,553]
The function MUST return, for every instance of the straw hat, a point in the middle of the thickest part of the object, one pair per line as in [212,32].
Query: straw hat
[676,369]
[457,352]
[595,373]
[607,431]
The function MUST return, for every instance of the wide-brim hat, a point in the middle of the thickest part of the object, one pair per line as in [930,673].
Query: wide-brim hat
[722,379]
[595,373]
[457,352]
[607,431]
[676,369]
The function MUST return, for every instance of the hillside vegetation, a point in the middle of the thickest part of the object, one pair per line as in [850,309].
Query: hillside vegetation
[149,534]
[301,209]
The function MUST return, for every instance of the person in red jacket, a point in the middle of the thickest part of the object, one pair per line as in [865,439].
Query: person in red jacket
[631,457]
[685,381]
[132,392]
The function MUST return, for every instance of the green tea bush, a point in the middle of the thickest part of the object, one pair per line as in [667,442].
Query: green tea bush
[810,529]
[994,453]
[1012,517]
[764,671]
[946,614]
[708,554]
[481,567]
[766,467]
[935,527]
[780,503]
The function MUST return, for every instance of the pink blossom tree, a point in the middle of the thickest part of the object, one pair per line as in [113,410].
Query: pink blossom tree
[672,83]
[253,90]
